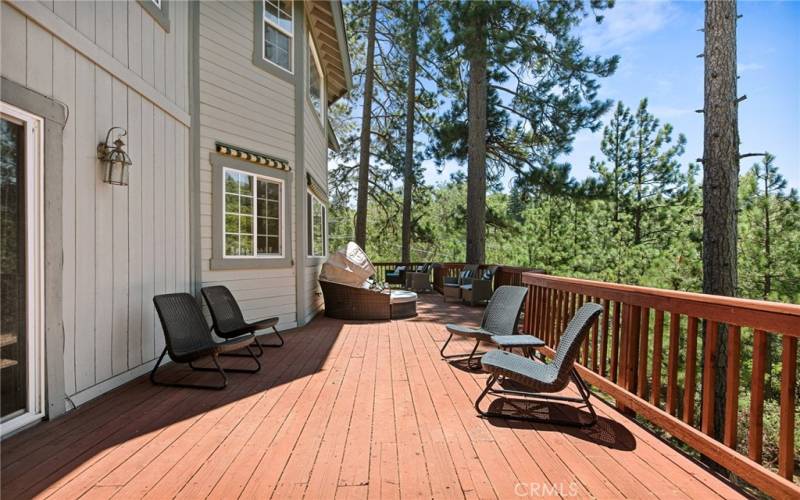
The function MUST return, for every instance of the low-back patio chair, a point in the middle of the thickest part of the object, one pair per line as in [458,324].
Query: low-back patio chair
[500,317]
[229,321]
[397,276]
[478,289]
[188,339]
[544,379]
[452,284]
[419,279]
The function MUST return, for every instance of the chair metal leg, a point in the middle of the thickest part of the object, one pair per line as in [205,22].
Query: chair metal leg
[233,370]
[471,363]
[190,386]
[261,346]
[583,390]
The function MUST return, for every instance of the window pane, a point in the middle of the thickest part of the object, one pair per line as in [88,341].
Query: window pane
[246,205]
[277,47]
[272,245]
[273,209]
[231,244]
[273,191]
[246,185]
[231,224]
[231,182]
[262,226]
[232,203]
[261,208]
[246,224]
[279,13]
[262,189]
[272,227]
[246,245]
[314,82]
[262,245]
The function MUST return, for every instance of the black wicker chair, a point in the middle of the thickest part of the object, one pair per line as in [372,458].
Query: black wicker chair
[500,317]
[188,339]
[396,276]
[229,321]
[543,379]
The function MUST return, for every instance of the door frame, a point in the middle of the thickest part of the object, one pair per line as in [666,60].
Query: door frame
[34,265]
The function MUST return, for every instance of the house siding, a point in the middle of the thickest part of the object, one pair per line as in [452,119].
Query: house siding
[243,105]
[120,245]
[316,161]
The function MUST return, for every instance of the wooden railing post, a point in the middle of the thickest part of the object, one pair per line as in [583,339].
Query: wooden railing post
[755,436]
[788,387]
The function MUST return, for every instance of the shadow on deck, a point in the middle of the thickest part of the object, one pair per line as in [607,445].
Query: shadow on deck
[345,409]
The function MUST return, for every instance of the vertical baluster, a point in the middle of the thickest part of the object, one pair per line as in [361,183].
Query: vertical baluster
[604,333]
[632,333]
[582,299]
[787,405]
[709,357]
[595,335]
[691,369]
[658,337]
[555,301]
[756,432]
[615,342]
[562,318]
[672,363]
[732,386]
[537,308]
[527,308]
[644,341]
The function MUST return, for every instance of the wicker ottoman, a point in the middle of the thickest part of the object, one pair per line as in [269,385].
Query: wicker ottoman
[403,304]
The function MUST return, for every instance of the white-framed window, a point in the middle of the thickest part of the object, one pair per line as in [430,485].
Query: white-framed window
[278,33]
[317,222]
[22,267]
[157,3]
[254,215]
[316,80]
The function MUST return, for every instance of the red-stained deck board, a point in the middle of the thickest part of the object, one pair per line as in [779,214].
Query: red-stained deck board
[344,410]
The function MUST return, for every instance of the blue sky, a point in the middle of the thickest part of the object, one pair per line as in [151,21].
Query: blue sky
[658,43]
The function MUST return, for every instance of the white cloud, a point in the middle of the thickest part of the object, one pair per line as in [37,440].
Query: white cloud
[625,23]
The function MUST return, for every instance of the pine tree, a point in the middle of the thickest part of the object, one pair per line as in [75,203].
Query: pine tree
[528,89]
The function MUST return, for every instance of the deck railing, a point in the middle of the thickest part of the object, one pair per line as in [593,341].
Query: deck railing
[654,352]
[505,275]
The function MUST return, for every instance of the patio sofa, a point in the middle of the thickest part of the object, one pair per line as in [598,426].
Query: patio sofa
[350,294]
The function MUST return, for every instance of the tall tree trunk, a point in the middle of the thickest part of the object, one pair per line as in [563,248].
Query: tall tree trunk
[408,168]
[720,174]
[476,145]
[767,235]
[366,132]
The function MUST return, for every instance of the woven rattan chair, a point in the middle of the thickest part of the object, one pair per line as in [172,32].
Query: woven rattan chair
[478,289]
[229,321]
[349,302]
[419,280]
[500,318]
[543,379]
[452,284]
[396,276]
[189,339]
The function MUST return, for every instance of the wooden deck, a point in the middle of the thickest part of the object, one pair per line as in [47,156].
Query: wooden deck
[346,410]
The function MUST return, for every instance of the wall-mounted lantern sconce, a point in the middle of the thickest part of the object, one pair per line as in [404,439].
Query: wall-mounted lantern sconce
[115,158]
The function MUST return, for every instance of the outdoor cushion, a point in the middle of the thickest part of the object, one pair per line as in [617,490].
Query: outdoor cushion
[466,287]
[453,285]
[468,331]
[517,341]
[537,376]
[347,266]
[402,296]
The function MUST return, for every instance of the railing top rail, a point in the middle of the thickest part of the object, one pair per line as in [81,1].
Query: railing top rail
[759,314]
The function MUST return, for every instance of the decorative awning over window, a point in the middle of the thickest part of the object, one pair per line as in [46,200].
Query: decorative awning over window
[316,188]
[247,155]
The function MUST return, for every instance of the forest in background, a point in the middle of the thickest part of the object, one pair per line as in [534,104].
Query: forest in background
[501,89]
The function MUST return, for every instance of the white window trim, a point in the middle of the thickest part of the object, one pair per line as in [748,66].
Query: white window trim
[324,227]
[157,3]
[265,19]
[281,219]
[34,196]
[322,97]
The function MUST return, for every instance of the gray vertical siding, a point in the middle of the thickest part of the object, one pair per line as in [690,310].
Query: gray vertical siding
[316,160]
[243,105]
[120,245]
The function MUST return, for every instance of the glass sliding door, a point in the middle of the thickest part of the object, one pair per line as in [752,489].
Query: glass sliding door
[20,268]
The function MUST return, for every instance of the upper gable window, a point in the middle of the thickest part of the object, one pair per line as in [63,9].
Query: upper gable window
[316,80]
[278,33]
